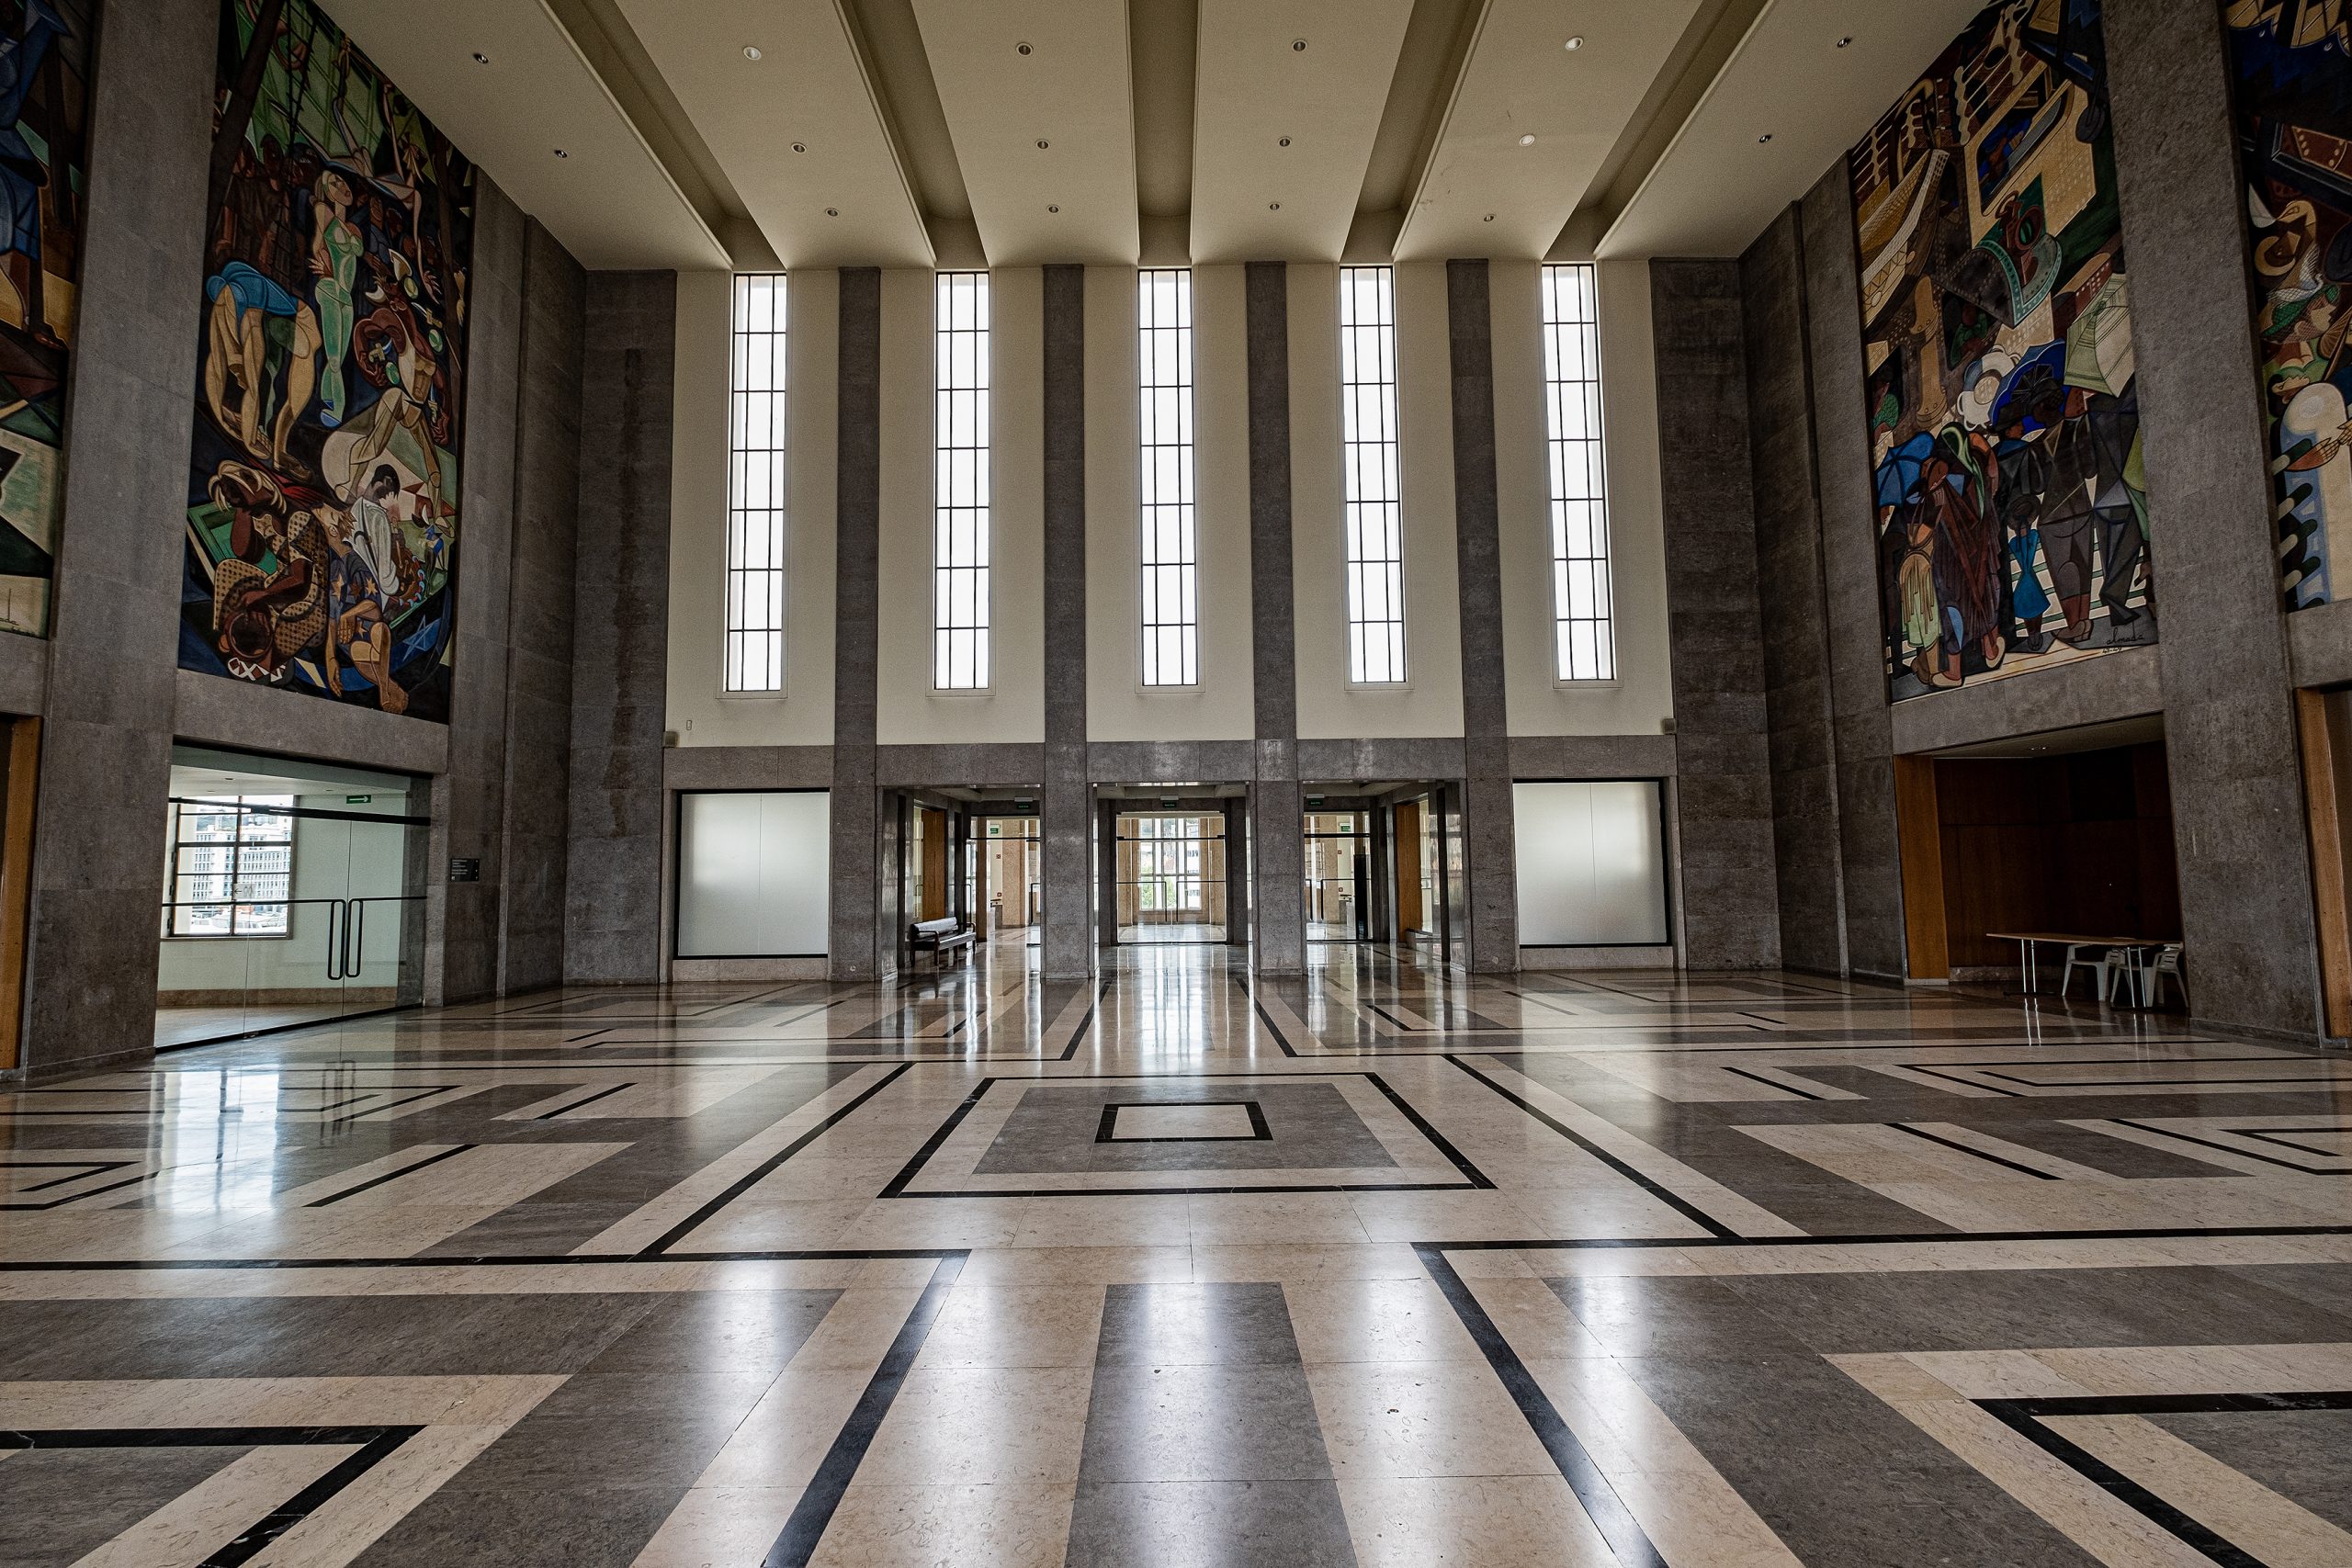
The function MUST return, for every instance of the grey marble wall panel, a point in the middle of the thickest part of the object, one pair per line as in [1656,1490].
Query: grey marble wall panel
[1870,854]
[1237,872]
[105,745]
[855,944]
[748,767]
[1006,764]
[1170,761]
[2320,642]
[1407,757]
[243,715]
[1593,756]
[542,611]
[1489,827]
[1277,834]
[621,650]
[2126,683]
[1729,898]
[1808,877]
[2236,774]
[24,675]
[463,919]
[1065,822]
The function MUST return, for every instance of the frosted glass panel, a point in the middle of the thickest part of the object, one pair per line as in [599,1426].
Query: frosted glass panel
[1591,863]
[752,876]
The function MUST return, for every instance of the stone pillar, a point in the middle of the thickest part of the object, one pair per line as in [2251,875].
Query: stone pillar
[1488,825]
[1106,873]
[1729,905]
[1236,874]
[1869,859]
[1794,614]
[98,843]
[620,660]
[2237,802]
[1277,832]
[1064,817]
[855,938]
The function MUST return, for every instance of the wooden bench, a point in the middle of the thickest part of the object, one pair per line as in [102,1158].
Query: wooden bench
[942,936]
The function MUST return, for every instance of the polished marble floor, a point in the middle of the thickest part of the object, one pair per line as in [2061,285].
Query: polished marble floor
[1381,1267]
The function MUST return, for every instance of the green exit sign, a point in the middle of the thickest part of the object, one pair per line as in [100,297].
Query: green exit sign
[358,799]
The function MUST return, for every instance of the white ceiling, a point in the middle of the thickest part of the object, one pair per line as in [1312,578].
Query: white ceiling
[918,123]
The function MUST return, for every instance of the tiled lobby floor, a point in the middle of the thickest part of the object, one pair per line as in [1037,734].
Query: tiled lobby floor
[1180,1269]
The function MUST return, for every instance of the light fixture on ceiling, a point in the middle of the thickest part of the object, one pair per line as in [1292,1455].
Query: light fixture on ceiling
[800,147]
[1283,142]
[1527,139]
[1573,44]
[1021,49]
[1042,144]
[832,212]
[1489,218]
[1844,41]
[751,52]
[1273,207]
[480,58]
[1763,139]
[1298,46]
[1051,208]
[562,153]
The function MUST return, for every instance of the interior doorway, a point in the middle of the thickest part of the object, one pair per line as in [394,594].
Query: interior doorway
[1169,877]
[1339,882]
[1005,879]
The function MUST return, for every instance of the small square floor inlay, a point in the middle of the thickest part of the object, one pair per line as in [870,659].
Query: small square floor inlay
[1204,1121]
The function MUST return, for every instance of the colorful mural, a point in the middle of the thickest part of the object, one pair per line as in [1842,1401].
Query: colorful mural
[1996,333]
[2291,63]
[44,107]
[323,522]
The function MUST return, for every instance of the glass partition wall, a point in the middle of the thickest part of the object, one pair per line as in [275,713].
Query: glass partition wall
[292,894]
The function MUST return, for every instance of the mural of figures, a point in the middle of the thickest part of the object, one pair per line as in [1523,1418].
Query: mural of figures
[322,520]
[2291,64]
[1996,332]
[44,105]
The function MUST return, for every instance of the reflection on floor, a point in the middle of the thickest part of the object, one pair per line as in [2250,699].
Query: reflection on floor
[189,1025]
[1378,1265]
[1170,931]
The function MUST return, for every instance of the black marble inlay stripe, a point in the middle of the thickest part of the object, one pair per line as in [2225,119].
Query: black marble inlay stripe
[373,1444]
[1266,1018]
[79,1170]
[567,1109]
[797,1543]
[1979,1154]
[1598,1499]
[1087,1021]
[1106,1132]
[2025,1416]
[661,1245]
[930,1145]
[1680,1205]
[1772,1083]
[2231,1149]
[375,1183]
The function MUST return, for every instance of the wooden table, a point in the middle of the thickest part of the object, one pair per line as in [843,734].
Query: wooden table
[2028,940]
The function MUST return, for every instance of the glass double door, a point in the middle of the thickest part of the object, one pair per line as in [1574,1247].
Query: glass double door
[1339,876]
[1170,877]
[285,903]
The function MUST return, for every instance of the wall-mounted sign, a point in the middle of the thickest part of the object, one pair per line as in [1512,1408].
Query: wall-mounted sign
[358,799]
[465,870]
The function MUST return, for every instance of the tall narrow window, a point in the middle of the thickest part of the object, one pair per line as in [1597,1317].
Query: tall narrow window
[959,642]
[1375,530]
[755,487]
[1584,637]
[1171,619]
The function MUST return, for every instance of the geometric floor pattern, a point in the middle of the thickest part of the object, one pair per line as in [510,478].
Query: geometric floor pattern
[1384,1266]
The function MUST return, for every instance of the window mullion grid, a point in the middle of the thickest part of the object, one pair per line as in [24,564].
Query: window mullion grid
[1168,575]
[755,478]
[960,538]
[1584,638]
[1373,501]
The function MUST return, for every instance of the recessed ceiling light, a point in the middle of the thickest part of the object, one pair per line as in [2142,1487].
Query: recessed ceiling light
[1844,41]
[1489,218]
[1052,209]
[1575,43]
[1298,46]
[800,147]
[480,58]
[562,153]
[832,212]
[1283,142]
[1021,49]
[751,52]
[1273,207]
[1527,139]
[1042,144]
[1763,139]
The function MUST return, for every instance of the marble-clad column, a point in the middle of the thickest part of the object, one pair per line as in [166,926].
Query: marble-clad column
[1488,828]
[1278,847]
[860,948]
[1066,820]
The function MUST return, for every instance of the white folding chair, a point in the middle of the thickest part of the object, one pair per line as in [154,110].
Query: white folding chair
[2098,966]
[2167,967]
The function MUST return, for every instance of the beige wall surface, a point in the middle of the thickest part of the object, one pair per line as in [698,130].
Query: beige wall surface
[1118,705]
[1430,701]
[699,712]
[1640,700]
[1013,707]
